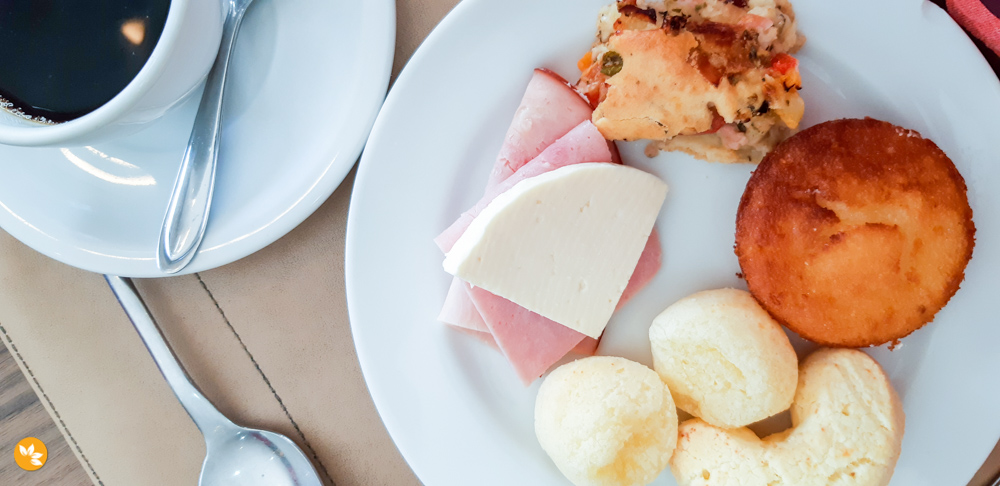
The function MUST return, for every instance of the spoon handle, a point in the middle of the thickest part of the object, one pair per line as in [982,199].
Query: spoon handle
[187,211]
[204,415]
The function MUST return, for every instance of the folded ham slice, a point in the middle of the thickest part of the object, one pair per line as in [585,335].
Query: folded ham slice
[549,108]
[584,143]
[530,342]
[649,263]
[458,309]
[483,336]
[539,140]
[587,347]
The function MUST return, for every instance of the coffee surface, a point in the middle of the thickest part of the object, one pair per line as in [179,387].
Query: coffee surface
[62,59]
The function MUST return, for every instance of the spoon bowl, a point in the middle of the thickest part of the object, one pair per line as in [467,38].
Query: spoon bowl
[238,456]
[235,455]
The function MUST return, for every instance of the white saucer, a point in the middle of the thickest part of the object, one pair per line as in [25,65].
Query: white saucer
[306,82]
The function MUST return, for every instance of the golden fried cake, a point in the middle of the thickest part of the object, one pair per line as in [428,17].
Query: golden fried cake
[712,78]
[854,232]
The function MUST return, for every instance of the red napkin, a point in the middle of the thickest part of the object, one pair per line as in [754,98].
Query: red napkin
[979,17]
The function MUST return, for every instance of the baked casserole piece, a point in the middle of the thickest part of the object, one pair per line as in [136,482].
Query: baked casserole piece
[713,78]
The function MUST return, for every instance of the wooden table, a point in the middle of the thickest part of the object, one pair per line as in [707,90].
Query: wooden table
[22,415]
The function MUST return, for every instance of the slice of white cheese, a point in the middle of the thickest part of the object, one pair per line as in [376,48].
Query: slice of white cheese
[562,244]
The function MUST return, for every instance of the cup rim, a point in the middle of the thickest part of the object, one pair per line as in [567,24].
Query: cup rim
[117,106]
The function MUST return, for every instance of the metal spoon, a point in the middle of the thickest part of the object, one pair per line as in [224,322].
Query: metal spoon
[187,211]
[235,455]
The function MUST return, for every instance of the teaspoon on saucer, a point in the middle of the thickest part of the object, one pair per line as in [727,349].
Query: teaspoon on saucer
[187,211]
[235,455]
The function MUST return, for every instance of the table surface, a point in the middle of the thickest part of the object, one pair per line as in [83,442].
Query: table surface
[22,413]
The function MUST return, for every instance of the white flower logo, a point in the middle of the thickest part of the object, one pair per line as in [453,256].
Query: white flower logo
[30,452]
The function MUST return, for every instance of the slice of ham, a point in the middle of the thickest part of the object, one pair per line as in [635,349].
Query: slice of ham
[649,263]
[584,143]
[459,312]
[587,347]
[483,336]
[549,109]
[458,309]
[530,342]
[551,129]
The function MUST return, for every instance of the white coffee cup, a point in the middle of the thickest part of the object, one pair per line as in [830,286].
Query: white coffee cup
[180,61]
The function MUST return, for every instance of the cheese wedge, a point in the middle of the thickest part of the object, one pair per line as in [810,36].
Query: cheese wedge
[564,243]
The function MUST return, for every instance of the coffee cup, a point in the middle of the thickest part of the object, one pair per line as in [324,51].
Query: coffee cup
[177,64]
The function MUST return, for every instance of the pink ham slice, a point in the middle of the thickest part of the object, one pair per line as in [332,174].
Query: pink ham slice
[551,129]
[649,263]
[549,109]
[530,342]
[483,336]
[582,144]
[458,309]
[587,347]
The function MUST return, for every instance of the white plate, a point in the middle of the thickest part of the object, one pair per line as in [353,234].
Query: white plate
[306,82]
[455,408]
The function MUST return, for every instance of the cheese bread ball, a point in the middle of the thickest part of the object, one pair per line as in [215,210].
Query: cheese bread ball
[606,421]
[724,358]
[847,428]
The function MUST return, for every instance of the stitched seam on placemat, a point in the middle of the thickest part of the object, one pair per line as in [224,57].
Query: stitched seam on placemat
[266,381]
[45,396]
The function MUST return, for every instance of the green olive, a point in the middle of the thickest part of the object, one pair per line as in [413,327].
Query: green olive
[611,63]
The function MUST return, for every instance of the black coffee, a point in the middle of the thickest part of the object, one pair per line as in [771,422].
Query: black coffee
[62,59]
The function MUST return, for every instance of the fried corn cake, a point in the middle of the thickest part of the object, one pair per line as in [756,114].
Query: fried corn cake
[854,232]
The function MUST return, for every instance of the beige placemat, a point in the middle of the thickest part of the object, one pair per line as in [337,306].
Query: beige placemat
[266,338]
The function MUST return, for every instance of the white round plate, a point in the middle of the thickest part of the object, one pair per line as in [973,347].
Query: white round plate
[305,85]
[456,409]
